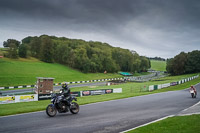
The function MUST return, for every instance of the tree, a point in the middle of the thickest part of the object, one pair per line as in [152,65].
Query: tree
[12,51]
[23,51]
[193,62]
[27,40]
[81,59]
[176,65]
[136,63]
[35,46]
[144,65]
[46,53]
[169,66]
[10,42]
[95,64]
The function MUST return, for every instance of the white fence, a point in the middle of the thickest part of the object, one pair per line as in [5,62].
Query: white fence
[20,98]
[155,87]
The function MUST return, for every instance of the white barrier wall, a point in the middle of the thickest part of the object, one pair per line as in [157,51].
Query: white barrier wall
[117,90]
[151,87]
[155,87]
[7,99]
[19,98]
[159,86]
[165,85]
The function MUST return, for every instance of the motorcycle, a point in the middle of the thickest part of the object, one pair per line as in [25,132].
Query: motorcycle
[62,105]
[193,93]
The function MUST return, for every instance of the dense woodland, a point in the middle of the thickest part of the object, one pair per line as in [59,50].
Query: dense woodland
[79,54]
[184,63]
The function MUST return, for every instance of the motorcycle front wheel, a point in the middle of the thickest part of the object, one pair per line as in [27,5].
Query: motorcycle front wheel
[51,110]
[74,108]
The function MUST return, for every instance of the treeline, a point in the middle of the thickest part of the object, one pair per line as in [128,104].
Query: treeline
[157,58]
[79,54]
[184,63]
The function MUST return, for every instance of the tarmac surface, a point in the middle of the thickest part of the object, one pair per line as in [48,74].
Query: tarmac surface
[195,109]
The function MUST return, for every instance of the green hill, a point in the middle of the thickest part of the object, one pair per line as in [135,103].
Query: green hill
[24,72]
[158,65]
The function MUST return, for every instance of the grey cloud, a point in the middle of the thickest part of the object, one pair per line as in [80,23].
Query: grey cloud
[147,26]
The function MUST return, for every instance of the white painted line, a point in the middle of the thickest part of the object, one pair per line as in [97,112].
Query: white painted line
[190,107]
[189,114]
[147,123]
[1,88]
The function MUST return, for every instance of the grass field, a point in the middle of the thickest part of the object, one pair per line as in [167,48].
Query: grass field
[24,72]
[129,90]
[178,124]
[158,65]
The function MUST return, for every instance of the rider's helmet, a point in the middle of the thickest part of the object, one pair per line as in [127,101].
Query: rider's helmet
[64,85]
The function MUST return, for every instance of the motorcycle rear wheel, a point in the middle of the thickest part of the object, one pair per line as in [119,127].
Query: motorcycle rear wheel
[51,110]
[74,108]
[192,94]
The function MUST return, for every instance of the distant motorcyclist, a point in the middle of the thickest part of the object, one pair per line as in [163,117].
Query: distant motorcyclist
[194,89]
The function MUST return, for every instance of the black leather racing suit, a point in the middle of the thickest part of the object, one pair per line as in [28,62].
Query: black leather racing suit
[66,92]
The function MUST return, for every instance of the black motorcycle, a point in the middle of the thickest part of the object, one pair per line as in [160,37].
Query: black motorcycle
[62,105]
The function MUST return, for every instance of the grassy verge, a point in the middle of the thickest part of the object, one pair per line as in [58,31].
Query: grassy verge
[178,124]
[24,72]
[129,90]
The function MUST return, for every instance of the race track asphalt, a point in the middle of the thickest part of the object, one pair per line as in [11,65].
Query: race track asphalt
[111,116]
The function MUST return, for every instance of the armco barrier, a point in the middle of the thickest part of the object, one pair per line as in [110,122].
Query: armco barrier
[74,82]
[155,87]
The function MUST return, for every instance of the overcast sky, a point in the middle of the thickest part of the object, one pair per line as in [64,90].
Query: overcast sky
[152,28]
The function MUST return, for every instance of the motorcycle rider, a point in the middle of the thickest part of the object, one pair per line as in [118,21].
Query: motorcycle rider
[66,91]
[194,89]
